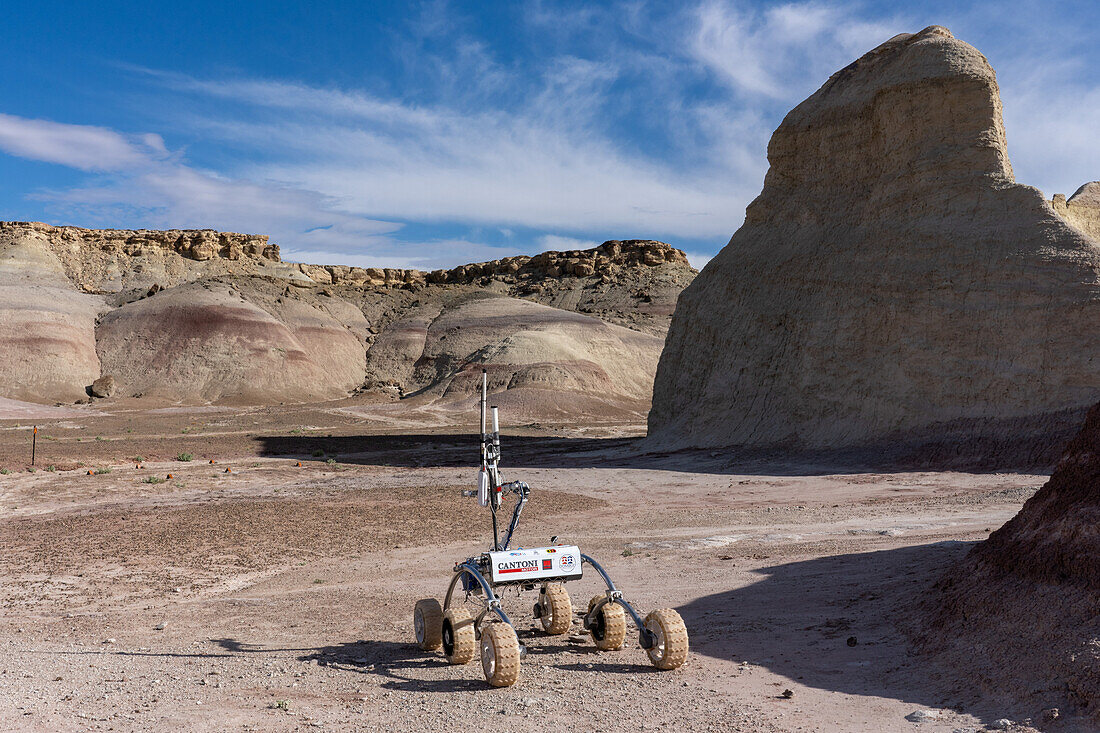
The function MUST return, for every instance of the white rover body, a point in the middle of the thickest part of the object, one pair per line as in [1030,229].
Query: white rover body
[461,632]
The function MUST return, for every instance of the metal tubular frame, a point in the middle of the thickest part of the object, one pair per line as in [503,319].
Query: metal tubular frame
[492,603]
[646,638]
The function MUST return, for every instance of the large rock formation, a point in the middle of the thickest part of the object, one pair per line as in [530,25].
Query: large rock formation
[117,260]
[1082,210]
[891,282]
[206,342]
[552,356]
[1018,616]
[47,327]
[201,316]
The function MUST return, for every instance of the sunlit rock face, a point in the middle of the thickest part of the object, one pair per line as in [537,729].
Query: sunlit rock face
[892,282]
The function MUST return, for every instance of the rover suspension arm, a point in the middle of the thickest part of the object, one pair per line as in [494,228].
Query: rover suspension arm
[646,638]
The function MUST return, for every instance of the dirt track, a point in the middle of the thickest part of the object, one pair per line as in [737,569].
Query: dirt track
[279,597]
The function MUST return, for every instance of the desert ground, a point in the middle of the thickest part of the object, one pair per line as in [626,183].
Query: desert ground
[254,593]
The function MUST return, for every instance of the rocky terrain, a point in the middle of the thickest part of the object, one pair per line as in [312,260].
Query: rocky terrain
[892,284]
[1082,209]
[196,317]
[273,589]
[1018,614]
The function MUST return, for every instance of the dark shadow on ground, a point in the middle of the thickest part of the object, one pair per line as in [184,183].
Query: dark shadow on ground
[441,450]
[400,663]
[799,618]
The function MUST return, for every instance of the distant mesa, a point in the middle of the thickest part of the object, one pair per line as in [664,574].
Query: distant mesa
[199,316]
[892,284]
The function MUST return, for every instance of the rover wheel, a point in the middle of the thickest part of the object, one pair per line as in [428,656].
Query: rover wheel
[555,609]
[609,633]
[671,649]
[500,654]
[458,637]
[428,624]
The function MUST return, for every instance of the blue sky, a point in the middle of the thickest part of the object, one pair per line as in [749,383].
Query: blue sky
[432,134]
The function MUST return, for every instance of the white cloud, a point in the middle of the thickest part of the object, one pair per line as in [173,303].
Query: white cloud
[699,260]
[330,173]
[784,50]
[533,168]
[84,147]
[1052,115]
[555,242]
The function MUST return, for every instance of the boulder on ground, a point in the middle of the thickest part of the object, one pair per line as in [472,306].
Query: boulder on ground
[103,387]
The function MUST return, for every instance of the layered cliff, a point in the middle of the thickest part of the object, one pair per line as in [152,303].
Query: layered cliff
[892,282]
[201,316]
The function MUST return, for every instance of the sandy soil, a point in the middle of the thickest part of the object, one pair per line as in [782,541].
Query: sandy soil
[278,597]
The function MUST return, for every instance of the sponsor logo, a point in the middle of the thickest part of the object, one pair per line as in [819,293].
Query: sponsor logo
[551,549]
[518,566]
[547,564]
[568,563]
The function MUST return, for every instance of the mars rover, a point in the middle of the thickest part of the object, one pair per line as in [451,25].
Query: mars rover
[471,618]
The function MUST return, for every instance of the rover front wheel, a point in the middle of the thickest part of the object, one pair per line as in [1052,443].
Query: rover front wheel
[458,637]
[555,609]
[671,649]
[500,654]
[428,624]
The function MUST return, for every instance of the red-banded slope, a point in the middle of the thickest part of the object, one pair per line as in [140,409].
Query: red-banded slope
[187,317]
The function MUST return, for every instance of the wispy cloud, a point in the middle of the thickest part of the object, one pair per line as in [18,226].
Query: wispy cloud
[84,147]
[781,50]
[558,243]
[630,120]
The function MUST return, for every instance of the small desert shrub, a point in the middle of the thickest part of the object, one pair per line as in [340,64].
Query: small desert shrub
[281,705]
[184,457]
[331,461]
[138,459]
[101,471]
[152,480]
[51,468]
[5,471]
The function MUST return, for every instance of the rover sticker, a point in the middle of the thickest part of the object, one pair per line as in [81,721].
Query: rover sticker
[568,562]
[518,566]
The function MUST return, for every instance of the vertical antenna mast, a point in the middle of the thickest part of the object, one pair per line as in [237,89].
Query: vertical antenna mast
[484,397]
[486,457]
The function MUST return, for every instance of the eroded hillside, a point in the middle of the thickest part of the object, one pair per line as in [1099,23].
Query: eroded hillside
[193,317]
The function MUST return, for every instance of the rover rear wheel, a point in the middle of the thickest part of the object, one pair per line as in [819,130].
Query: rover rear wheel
[428,624]
[671,649]
[458,637]
[609,633]
[500,654]
[555,609]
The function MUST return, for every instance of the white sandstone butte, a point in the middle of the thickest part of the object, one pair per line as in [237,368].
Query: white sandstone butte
[892,281]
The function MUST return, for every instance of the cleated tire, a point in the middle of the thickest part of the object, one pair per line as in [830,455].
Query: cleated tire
[500,654]
[556,610]
[458,637]
[609,633]
[428,624]
[671,649]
